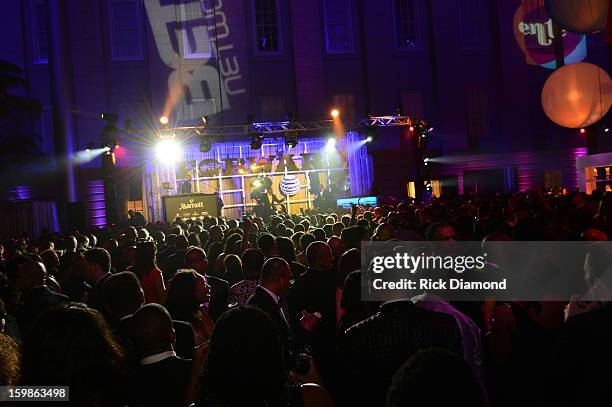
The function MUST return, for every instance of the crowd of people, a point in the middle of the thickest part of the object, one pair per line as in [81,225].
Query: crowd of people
[268,312]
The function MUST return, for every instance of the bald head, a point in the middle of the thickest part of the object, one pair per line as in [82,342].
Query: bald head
[274,268]
[30,274]
[123,294]
[319,256]
[276,276]
[151,330]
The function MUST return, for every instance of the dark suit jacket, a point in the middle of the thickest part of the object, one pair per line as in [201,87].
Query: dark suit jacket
[373,350]
[95,297]
[315,291]
[262,300]
[218,296]
[38,300]
[185,338]
[586,348]
[163,383]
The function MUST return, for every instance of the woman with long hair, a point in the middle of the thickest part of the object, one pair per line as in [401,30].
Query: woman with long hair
[188,295]
[71,345]
[150,276]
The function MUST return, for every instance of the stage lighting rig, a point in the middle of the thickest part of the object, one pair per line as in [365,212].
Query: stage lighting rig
[205,144]
[256,141]
[291,140]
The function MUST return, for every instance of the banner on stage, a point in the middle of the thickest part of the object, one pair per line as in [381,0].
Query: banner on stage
[189,206]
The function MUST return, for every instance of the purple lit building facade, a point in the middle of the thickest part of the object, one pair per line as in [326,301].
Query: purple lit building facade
[456,63]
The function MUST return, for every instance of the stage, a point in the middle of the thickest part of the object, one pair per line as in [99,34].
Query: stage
[236,173]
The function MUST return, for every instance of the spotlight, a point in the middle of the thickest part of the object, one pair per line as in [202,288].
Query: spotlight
[163,120]
[371,134]
[168,151]
[425,161]
[256,141]
[205,144]
[411,128]
[335,113]
[109,117]
[330,147]
[582,130]
[291,140]
[607,129]
[204,120]
[430,130]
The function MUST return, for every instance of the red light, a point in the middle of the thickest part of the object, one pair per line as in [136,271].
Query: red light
[582,131]
[411,128]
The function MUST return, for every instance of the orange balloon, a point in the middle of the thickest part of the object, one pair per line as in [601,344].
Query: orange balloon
[577,95]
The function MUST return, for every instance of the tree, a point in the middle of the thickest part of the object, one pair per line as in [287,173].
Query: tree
[19,146]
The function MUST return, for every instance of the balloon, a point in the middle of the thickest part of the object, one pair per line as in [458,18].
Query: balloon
[577,95]
[580,16]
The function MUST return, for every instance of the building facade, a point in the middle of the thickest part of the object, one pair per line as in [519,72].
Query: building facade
[469,67]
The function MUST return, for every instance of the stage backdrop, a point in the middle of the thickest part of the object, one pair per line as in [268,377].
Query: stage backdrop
[233,168]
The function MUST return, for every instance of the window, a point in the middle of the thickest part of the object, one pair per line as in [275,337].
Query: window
[266,26]
[473,23]
[272,107]
[345,103]
[126,32]
[476,103]
[412,103]
[338,26]
[406,30]
[39,26]
[552,179]
[196,41]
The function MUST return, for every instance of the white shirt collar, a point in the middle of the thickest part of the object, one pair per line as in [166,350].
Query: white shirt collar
[275,297]
[158,357]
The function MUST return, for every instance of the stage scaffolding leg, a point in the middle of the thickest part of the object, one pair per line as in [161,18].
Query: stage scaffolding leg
[243,195]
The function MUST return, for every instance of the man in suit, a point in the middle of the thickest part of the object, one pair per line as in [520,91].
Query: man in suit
[219,288]
[373,350]
[275,283]
[37,297]
[124,296]
[315,292]
[97,271]
[186,185]
[161,377]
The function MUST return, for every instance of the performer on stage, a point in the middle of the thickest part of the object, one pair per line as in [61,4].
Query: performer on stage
[185,187]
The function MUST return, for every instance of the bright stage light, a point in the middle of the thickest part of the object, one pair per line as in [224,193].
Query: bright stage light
[335,113]
[607,129]
[411,128]
[582,130]
[330,147]
[163,120]
[369,139]
[168,151]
